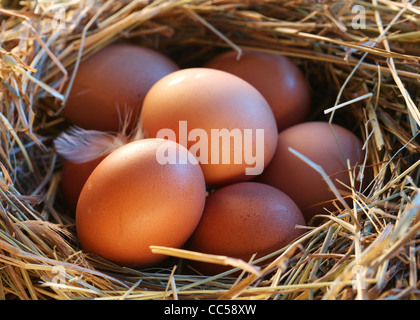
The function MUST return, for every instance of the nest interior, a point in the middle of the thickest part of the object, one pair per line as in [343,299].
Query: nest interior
[361,59]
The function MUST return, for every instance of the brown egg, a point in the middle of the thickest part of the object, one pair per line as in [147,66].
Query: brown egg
[316,141]
[111,84]
[223,120]
[73,178]
[278,79]
[133,200]
[242,219]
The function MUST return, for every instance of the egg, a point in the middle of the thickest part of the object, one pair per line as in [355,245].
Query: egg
[329,146]
[110,86]
[279,80]
[242,219]
[133,199]
[222,119]
[73,178]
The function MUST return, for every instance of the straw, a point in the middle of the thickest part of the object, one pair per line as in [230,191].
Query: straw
[365,78]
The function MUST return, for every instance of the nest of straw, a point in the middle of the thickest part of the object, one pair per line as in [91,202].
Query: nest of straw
[363,66]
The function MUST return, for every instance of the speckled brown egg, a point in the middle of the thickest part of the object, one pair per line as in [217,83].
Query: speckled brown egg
[242,219]
[327,146]
[222,119]
[110,85]
[73,178]
[278,78]
[133,200]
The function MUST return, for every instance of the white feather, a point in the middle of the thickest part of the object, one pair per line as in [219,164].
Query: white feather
[80,145]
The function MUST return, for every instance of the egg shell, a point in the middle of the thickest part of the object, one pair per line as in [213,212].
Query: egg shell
[131,201]
[111,84]
[278,78]
[73,178]
[213,100]
[242,219]
[316,141]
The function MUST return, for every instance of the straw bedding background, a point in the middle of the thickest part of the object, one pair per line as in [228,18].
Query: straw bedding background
[362,60]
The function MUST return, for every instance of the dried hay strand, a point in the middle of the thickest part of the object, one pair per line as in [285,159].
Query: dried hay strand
[365,74]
